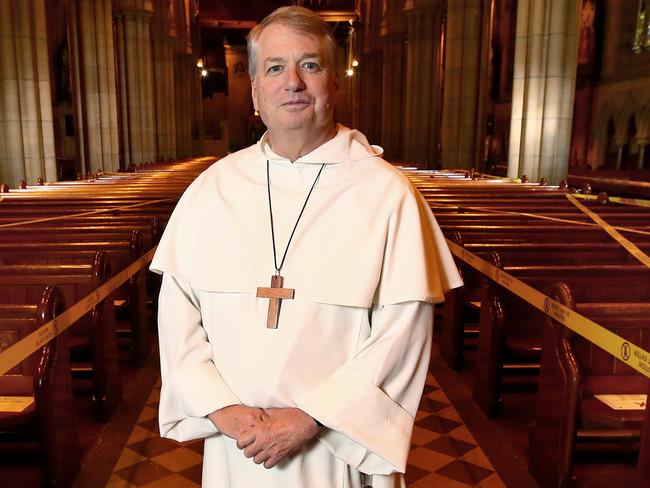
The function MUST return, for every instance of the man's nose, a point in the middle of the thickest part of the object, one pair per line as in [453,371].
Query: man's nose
[294,79]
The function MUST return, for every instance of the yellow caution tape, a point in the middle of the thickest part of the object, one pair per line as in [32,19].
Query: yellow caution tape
[617,346]
[625,201]
[84,214]
[20,350]
[631,248]
[537,216]
[15,404]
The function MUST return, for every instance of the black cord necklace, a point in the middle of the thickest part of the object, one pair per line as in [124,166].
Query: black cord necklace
[268,186]
[276,292]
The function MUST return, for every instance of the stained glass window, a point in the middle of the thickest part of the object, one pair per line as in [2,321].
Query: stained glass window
[642,30]
[647,25]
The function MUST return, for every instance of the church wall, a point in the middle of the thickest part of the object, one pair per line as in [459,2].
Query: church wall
[27,148]
[62,109]
[370,71]
[502,60]
[622,95]
[347,108]
[468,46]
[239,100]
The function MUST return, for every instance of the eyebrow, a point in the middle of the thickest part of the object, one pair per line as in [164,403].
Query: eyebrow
[301,58]
[273,60]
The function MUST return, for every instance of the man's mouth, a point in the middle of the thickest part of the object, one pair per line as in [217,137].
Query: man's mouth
[295,103]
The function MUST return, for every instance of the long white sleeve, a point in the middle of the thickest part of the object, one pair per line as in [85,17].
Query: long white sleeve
[191,384]
[369,403]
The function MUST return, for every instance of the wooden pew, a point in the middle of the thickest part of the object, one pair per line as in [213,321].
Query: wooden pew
[462,304]
[151,227]
[122,249]
[572,371]
[511,329]
[643,464]
[539,233]
[46,428]
[92,338]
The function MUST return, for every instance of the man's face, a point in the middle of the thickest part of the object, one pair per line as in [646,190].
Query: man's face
[295,83]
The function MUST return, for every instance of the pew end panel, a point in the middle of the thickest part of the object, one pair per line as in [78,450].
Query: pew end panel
[49,422]
[573,370]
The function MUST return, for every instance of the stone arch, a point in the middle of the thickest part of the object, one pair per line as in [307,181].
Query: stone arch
[600,134]
[643,137]
[622,119]
[643,122]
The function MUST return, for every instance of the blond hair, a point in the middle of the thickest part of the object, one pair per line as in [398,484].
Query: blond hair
[300,19]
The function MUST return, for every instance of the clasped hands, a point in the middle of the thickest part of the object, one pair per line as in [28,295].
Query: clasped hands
[267,435]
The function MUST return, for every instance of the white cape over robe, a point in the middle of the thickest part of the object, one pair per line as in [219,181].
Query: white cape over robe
[352,348]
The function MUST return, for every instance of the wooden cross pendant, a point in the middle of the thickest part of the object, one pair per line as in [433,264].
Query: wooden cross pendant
[275,294]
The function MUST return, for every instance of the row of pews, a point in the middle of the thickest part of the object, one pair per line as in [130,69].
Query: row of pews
[59,244]
[566,257]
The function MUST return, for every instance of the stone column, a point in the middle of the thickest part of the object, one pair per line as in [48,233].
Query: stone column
[91,34]
[163,65]
[642,147]
[467,51]
[619,145]
[27,149]
[169,94]
[543,91]
[132,19]
[392,115]
[423,69]
[183,73]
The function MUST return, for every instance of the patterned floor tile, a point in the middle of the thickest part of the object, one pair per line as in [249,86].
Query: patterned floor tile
[422,436]
[449,413]
[150,425]
[196,446]
[173,481]
[462,433]
[128,458]
[428,388]
[436,481]
[450,446]
[116,481]
[477,456]
[143,473]
[178,459]
[429,460]
[193,474]
[154,446]
[444,452]
[492,481]
[414,474]
[148,413]
[437,424]
[465,472]
[432,406]
[139,434]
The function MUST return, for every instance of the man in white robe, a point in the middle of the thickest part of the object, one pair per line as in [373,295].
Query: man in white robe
[328,398]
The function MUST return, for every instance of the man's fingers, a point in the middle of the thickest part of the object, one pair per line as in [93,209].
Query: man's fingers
[261,457]
[253,450]
[246,439]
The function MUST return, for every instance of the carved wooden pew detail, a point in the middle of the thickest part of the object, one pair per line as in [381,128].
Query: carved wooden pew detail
[572,371]
[48,424]
[93,338]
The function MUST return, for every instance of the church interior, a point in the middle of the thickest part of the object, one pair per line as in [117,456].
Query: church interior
[524,124]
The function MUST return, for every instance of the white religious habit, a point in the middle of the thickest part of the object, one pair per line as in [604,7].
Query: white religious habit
[351,348]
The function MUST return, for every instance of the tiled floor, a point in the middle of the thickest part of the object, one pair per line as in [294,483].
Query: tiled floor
[444,452]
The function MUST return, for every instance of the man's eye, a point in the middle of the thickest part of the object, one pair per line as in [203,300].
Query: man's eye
[311,66]
[274,69]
